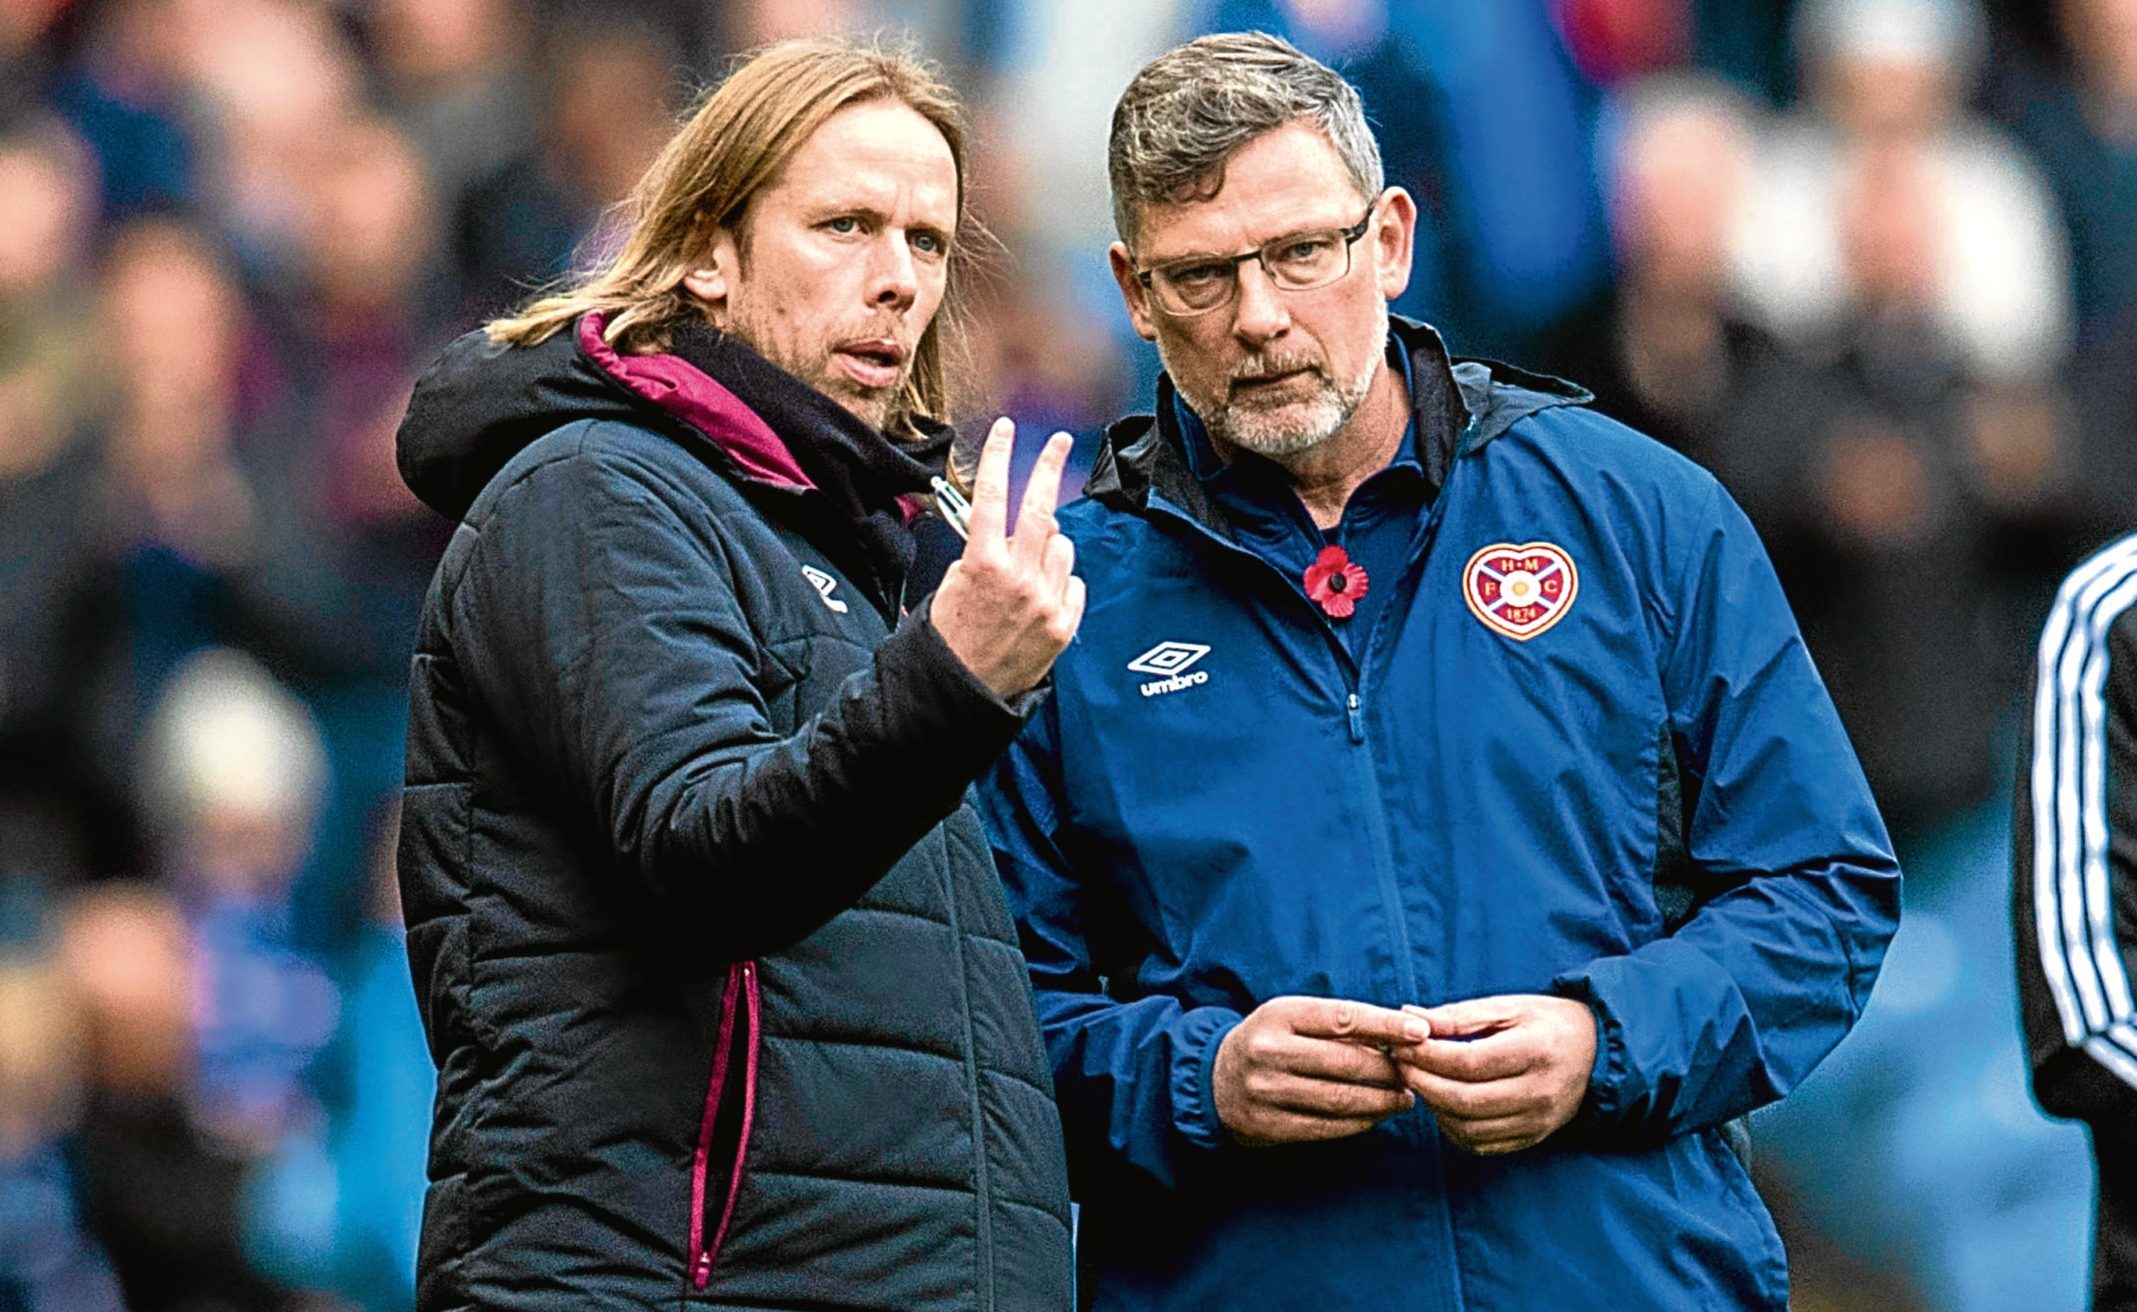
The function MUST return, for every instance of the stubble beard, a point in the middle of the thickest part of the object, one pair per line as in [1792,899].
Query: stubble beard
[816,367]
[1292,427]
[872,406]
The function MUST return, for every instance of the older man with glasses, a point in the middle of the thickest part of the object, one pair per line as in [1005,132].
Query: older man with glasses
[1437,838]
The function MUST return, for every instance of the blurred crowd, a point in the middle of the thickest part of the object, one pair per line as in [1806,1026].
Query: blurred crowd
[1874,262]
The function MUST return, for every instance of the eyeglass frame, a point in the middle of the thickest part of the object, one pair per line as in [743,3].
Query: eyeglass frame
[1350,235]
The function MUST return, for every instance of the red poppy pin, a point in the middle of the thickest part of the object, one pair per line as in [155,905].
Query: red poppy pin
[1335,582]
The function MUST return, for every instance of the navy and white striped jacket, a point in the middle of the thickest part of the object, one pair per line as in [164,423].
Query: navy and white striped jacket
[2075,894]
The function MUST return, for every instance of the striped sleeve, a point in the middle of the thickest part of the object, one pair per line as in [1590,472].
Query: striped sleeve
[2075,891]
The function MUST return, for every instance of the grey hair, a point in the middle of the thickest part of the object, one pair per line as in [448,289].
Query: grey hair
[1192,108]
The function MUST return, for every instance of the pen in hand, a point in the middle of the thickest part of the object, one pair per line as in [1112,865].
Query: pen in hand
[952,506]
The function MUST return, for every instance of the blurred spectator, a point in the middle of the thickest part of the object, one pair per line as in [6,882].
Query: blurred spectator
[172,332]
[1887,81]
[608,99]
[1911,463]
[1884,477]
[48,1261]
[269,79]
[367,230]
[1666,348]
[363,304]
[235,772]
[1055,70]
[346,552]
[47,217]
[124,89]
[344,1210]
[458,77]
[184,516]
[2080,123]
[161,1192]
[614,91]
[1910,451]
[63,813]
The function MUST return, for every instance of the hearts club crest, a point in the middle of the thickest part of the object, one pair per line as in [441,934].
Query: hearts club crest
[1520,590]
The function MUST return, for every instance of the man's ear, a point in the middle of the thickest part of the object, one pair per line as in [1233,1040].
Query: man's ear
[1393,240]
[1132,291]
[709,280]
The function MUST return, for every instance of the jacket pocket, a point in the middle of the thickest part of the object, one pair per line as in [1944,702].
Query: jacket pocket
[736,1046]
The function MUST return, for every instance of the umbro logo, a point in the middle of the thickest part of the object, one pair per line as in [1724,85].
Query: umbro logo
[824,583]
[1172,661]
[1168,658]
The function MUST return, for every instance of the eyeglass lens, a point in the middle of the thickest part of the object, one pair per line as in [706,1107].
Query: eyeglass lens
[1299,262]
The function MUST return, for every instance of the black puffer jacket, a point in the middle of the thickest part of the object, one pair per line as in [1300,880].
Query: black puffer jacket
[726,1005]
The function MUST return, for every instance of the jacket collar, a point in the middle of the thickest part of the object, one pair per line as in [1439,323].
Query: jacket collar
[479,403]
[780,431]
[782,435]
[1458,404]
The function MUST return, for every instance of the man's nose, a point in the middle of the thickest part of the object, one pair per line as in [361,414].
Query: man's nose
[1259,315]
[894,282]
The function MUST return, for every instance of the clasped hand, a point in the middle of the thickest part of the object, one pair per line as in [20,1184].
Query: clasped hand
[1498,1074]
[1009,605]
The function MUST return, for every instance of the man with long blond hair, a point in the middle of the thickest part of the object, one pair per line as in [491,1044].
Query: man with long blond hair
[727,1007]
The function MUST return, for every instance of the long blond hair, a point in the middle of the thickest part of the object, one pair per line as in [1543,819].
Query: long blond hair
[729,148]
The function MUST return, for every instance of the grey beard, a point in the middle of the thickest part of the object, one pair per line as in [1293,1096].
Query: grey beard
[1252,428]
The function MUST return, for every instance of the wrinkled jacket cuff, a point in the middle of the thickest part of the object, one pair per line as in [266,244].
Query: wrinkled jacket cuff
[1605,1102]
[1196,1037]
[923,668]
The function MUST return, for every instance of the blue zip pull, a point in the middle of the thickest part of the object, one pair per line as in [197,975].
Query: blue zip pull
[1357,720]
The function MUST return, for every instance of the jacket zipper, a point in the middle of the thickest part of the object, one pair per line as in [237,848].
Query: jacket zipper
[982,1175]
[1353,670]
[1383,860]
[741,995]
[1369,764]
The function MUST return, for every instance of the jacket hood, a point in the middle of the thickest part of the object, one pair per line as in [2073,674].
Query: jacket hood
[479,403]
[1142,452]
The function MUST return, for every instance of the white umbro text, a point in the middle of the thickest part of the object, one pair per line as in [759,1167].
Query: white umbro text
[1172,660]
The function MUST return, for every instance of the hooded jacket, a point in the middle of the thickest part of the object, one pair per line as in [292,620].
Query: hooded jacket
[726,1005]
[1581,752]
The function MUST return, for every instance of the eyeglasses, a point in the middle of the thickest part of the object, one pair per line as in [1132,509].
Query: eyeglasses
[1297,262]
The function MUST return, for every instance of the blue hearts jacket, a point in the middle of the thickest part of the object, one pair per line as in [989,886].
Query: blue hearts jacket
[1584,753]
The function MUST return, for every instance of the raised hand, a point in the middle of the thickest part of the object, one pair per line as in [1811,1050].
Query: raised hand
[1299,1069]
[1009,605]
[1500,1074]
